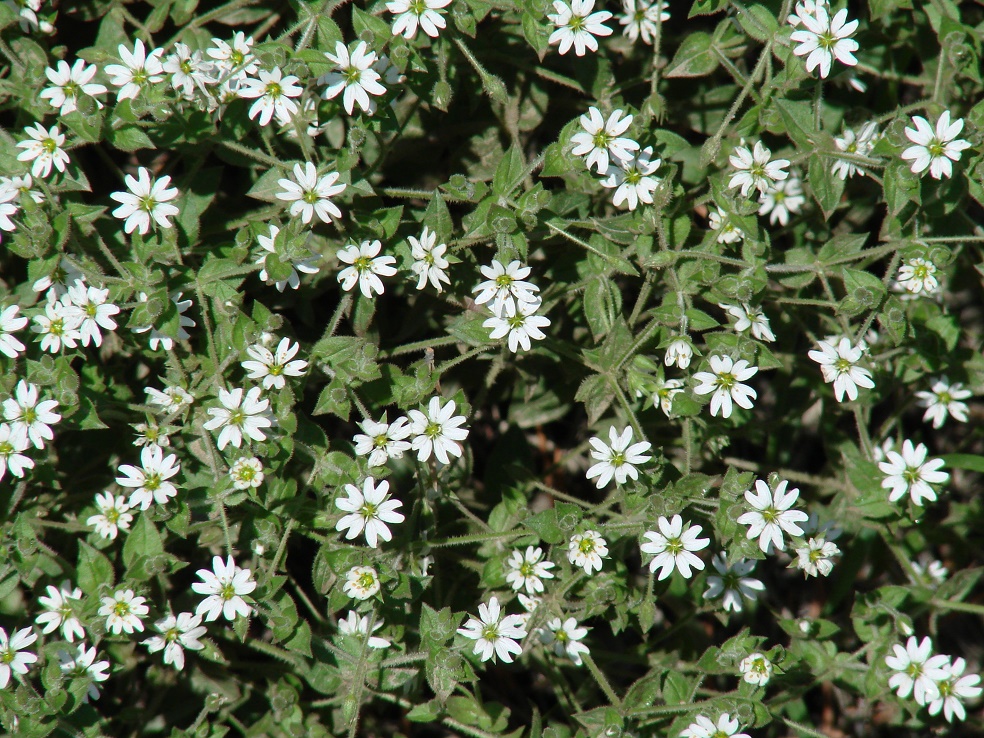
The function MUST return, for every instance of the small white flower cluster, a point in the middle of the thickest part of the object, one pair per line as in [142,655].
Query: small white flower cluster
[514,304]
[935,680]
[437,431]
[626,169]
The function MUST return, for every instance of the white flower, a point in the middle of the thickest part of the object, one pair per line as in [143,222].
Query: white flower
[235,57]
[528,570]
[747,317]
[272,93]
[839,365]
[725,381]
[368,510]
[859,144]
[123,611]
[113,515]
[495,635]
[815,557]
[58,325]
[353,625]
[14,658]
[149,483]
[161,340]
[11,445]
[273,367]
[189,72]
[704,727]
[365,267]
[44,148]
[601,138]
[382,440]
[60,613]
[437,431]
[565,637]
[361,582]
[781,200]
[672,547]
[663,393]
[356,77]
[429,260]
[577,26]
[825,38]
[138,69]
[172,399]
[918,275]
[146,200]
[224,588]
[239,416]
[303,265]
[805,7]
[246,473]
[27,11]
[679,353]
[933,572]
[152,434]
[911,472]
[953,690]
[518,322]
[934,150]
[28,417]
[917,671]
[8,208]
[942,400]
[728,232]
[411,13]
[771,515]
[756,669]
[504,284]
[618,458]
[177,634]
[92,308]
[84,664]
[10,321]
[631,179]
[22,184]
[642,18]
[310,195]
[587,550]
[756,169]
[733,583]
[58,279]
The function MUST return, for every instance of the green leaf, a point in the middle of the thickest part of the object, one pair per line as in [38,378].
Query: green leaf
[142,541]
[827,187]
[694,58]
[971,462]
[94,569]
[546,525]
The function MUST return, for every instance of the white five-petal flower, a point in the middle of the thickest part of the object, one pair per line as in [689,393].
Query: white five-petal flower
[123,611]
[365,268]
[137,71]
[600,139]
[427,14]
[839,364]
[528,570]
[577,26]
[495,634]
[149,482]
[223,588]
[438,431]
[632,179]
[14,656]
[67,82]
[429,261]
[59,612]
[618,458]
[565,637]
[112,516]
[176,634]
[771,515]
[587,550]
[935,149]
[382,440]
[239,416]
[147,201]
[44,147]
[823,39]
[910,472]
[310,195]
[917,670]
[732,583]
[725,381]
[944,399]
[673,547]
[271,366]
[369,510]
[272,93]
[355,79]
[756,168]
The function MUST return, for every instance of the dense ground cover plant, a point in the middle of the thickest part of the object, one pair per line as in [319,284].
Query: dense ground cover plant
[455,367]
